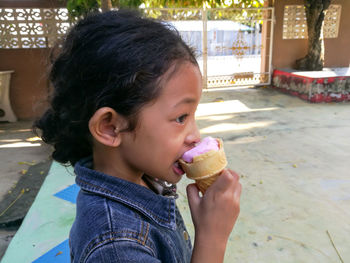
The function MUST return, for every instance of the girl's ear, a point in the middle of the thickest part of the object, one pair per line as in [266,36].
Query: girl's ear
[105,126]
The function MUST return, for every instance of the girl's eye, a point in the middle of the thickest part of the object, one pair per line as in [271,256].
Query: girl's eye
[181,119]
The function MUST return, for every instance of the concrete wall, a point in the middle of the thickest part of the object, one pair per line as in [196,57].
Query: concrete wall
[287,51]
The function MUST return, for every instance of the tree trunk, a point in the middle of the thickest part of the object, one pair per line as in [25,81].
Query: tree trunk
[315,12]
[106,5]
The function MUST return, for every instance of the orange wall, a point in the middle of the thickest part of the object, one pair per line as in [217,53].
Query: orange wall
[287,51]
[337,50]
[29,85]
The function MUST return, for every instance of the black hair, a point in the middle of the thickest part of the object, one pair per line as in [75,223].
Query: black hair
[114,59]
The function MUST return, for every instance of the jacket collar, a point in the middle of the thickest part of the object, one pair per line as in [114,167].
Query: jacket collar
[160,209]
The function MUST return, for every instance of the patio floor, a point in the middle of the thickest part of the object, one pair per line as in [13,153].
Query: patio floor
[293,158]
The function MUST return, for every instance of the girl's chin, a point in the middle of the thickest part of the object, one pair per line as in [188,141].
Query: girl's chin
[174,178]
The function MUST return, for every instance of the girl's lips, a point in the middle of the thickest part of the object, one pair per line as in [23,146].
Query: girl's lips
[177,168]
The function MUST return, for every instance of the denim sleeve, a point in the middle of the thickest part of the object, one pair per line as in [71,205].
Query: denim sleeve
[122,251]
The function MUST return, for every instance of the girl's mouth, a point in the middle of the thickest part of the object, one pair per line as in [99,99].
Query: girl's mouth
[177,168]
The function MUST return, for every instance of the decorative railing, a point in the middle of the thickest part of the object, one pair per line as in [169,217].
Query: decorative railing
[32,27]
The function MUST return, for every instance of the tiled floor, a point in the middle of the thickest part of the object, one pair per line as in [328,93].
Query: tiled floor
[293,160]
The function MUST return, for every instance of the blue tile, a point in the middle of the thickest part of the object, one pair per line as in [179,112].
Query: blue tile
[59,254]
[69,194]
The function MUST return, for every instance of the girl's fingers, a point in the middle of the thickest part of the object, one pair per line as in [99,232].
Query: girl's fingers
[226,180]
[238,187]
[237,193]
[234,174]
[193,196]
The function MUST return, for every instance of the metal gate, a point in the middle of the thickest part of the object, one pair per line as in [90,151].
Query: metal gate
[233,45]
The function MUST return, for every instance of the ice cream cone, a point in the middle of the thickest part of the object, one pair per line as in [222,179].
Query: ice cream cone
[206,167]
[203,184]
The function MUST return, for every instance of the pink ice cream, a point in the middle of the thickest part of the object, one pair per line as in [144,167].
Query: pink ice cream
[207,144]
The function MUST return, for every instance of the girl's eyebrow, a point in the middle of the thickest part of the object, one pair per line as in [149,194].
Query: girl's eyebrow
[185,101]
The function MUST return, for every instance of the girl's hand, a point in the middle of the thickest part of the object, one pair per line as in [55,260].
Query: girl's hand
[214,216]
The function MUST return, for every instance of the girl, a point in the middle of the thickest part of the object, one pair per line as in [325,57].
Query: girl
[126,89]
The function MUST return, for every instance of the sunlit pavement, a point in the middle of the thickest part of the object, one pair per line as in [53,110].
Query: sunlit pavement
[19,150]
[293,160]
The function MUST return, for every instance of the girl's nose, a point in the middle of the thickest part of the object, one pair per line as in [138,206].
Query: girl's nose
[193,136]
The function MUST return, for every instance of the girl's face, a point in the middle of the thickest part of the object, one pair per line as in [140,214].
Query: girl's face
[166,128]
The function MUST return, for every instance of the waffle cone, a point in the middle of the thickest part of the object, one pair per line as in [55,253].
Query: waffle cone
[206,167]
[203,184]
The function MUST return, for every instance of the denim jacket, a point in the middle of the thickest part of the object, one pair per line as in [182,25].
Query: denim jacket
[119,221]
